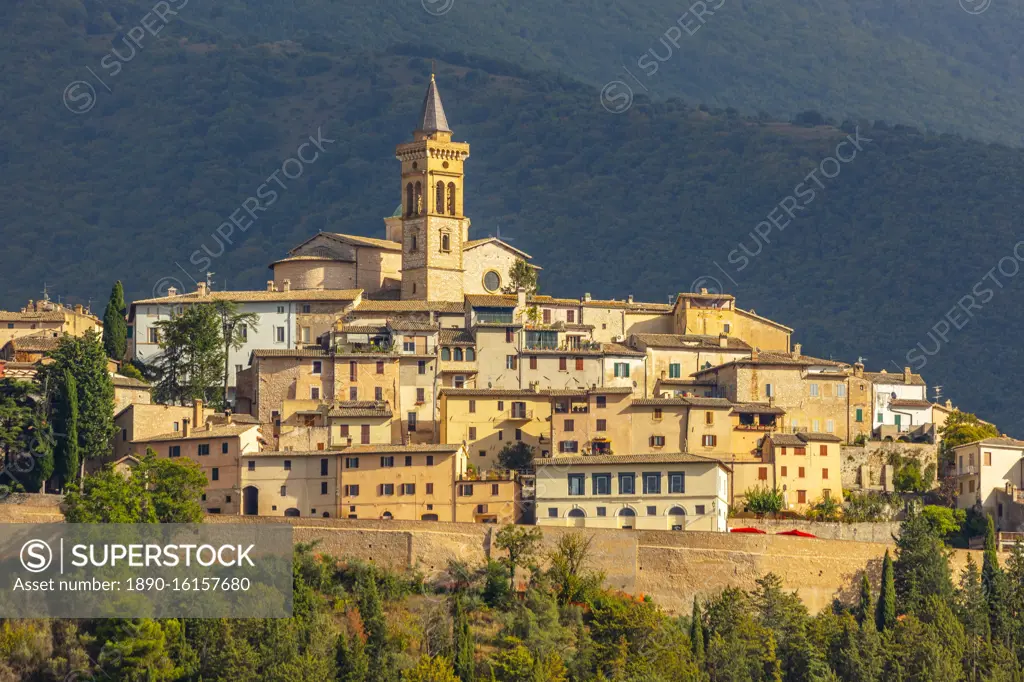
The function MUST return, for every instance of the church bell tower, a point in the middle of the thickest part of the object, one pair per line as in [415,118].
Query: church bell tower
[434,228]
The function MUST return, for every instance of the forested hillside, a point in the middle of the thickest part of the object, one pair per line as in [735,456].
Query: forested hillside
[645,202]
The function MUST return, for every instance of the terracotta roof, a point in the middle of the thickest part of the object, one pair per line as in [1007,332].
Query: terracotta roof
[629,307]
[473,243]
[40,341]
[456,337]
[909,402]
[884,377]
[699,401]
[129,382]
[256,296]
[359,408]
[493,392]
[362,329]
[801,439]
[827,437]
[654,458]
[757,408]
[661,402]
[775,358]
[687,381]
[688,341]
[211,431]
[551,300]
[491,300]
[290,353]
[620,349]
[761,318]
[410,306]
[609,390]
[31,316]
[410,326]
[426,448]
[290,259]
[1001,441]
[497,325]
[786,440]
[357,240]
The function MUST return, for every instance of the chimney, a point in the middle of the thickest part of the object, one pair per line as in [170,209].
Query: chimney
[906,375]
[228,417]
[754,354]
[171,291]
[197,413]
[201,288]
[797,348]
[662,374]
[521,297]
[286,285]
[184,427]
[949,404]
[703,291]
[629,299]
[270,285]
[858,369]
[79,309]
[723,340]
[586,297]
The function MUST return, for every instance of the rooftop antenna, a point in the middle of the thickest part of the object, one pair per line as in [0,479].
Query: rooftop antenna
[46,295]
[209,280]
[861,359]
[938,392]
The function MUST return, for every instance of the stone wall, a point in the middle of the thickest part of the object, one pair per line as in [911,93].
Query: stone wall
[856,532]
[875,456]
[31,508]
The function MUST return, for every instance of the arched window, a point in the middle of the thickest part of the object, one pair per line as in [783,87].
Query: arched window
[440,197]
[410,201]
[413,245]
[626,511]
[470,355]
[446,354]
[576,514]
[677,511]
[451,198]
[446,242]
[458,355]
[418,200]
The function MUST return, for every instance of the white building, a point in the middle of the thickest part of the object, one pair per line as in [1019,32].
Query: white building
[288,319]
[900,401]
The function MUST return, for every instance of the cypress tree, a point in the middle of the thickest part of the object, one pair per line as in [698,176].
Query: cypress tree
[993,583]
[115,328]
[885,616]
[697,633]
[66,457]
[865,609]
[462,637]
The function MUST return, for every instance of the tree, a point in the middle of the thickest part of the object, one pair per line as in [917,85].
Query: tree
[234,327]
[885,615]
[108,497]
[431,669]
[66,457]
[944,521]
[971,601]
[516,456]
[697,632]
[174,488]
[86,360]
[865,607]
[993,582]
[191,361]
[763,500]
[462,638]
[352,660]
[520,543]
[115,328]
[524,275]
[26,441]
[921,569]
[572,581]
[961,428]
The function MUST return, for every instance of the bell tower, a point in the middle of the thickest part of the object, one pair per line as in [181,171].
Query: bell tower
[434,228]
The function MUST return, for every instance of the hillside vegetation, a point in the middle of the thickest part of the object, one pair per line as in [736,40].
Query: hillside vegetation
[646,202]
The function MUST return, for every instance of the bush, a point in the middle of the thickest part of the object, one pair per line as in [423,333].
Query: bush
[826,509]
[944,521]
[870,507]
[763,501]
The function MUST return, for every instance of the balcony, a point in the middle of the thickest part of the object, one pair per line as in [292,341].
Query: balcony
[518,415]
[969,470]
[755,427]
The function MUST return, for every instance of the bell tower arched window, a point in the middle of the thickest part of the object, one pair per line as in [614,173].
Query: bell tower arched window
[440,197]
[446,242]
[451,198]
[410,206]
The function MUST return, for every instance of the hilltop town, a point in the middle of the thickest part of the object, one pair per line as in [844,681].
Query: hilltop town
[423,376]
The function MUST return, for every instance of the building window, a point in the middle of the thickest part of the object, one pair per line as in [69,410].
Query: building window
[570,424]
[387,461]
[860,414]
[421,395]
[677,483]
[353,369]
[816,426]
[800,473]
[430,460]
[824,474]
[446,354]
[378,393]
[408,489]
[657,414]
[323,467]
[814,390]
[510,362]
[380,367]
[510,335]
[800,450]
[840,390]
[314,393]
[318,366]
[546,316]
[287,465]
[769,390]
[830,426]
[470,355]
[576,486]
[563,364]
[204,448]
[472,433]
[674,371]
[495,489]
[351,462]
[878,418]
[970,486]
[466,490]
[215,474]
[601,484]
[552,512]
[823,450]
[353,393]
[279,334]
[174,451]
[430,488]
[533,362]
[652,510]
[709,418]
[421,366]
[323,487]
[700,509]
[652,483]
[601,402]
[657,441]
[409,346]
[386,489]
[709,440]
[284,490]
[783,472]
[602,425]
[621,370]
[153,334]
[801,497]
[501,434]
[579,364]
[627,484]
[224,448]
[252,465]
[519,434]
[762,474]
[988,459]
[446,243]
[568,446]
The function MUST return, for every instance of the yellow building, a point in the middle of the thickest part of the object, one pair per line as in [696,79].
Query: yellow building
[805,467]
[486,420]
[595,421]
[707,314]
[290,484]
[649,492]
[495,499]
[47,318]
[990,473]
[678,357]
[141,421]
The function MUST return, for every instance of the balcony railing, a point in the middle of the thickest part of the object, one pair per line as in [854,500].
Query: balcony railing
[756,427]
[519,415]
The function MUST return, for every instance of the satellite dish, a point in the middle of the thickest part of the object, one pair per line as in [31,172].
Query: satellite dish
[893,395]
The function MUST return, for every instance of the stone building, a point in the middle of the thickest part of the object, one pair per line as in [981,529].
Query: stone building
[47,318]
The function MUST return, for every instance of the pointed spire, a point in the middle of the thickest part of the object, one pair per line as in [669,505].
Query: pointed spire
[433,119]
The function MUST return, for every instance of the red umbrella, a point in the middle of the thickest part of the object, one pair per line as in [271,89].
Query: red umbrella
[797,533]
[748,530]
